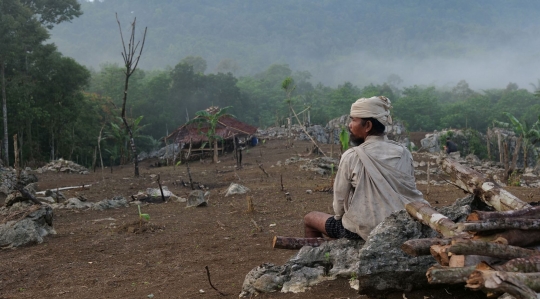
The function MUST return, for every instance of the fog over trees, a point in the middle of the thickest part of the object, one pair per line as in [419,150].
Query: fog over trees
[444,64]
[488,43]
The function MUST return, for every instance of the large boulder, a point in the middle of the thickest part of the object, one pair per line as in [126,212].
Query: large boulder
[383,267]
[8,179]
[311,265]
[24,224]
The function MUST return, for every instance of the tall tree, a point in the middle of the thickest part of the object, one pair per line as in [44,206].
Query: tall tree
[23,28]
[131,60]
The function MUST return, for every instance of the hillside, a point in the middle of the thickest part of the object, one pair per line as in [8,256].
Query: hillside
[333,40]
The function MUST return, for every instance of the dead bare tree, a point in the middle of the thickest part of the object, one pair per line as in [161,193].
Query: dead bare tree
[131,60]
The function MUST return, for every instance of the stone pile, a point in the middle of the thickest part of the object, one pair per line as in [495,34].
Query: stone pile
[78,204]
[62,165]
[8,179]
[379,265]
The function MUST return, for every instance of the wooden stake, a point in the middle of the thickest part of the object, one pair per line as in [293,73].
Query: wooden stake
[250,208]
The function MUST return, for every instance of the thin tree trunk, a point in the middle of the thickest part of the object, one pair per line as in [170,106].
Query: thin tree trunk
[499,143]
[16,162]
[215,158]
[516,153]
[99,149]
[303,129]
[488,134]
[4,114]
[506,161]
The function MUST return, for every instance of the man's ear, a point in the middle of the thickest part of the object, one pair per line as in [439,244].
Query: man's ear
[369,126]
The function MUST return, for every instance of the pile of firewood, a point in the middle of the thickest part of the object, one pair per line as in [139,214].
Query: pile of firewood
[491,251]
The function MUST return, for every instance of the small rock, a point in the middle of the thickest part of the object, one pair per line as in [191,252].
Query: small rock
[309,191]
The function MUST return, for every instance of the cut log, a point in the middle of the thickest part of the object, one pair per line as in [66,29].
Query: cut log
[493,224]
[513,237]
[427,215]
[519,285]
[524,265]
[419,247]
[440,253]
[501,251]
[476,183]
[531,213]
[296,243]
[470,260]
[446,275]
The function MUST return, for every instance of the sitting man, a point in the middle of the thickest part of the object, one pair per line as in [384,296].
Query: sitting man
[374,179]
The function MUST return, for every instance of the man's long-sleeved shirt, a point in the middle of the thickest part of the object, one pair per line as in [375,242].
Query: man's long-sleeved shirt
[374,179]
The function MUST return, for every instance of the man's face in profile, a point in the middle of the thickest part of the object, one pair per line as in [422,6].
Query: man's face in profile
[357,132]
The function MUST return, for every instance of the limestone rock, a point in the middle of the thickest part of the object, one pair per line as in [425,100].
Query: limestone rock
[236,189]
[29,230]
[311,265]
[197,198]
[384,267]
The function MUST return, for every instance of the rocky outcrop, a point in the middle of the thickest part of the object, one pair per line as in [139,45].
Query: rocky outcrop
[25,224]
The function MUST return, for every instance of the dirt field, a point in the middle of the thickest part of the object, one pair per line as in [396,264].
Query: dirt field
[94,256]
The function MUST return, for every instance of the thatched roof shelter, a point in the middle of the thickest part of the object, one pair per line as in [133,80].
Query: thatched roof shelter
[227,128]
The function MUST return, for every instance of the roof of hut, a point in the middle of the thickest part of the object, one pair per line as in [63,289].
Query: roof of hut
[227,127]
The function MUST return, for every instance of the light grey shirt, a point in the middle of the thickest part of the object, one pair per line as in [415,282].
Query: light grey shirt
[373,180]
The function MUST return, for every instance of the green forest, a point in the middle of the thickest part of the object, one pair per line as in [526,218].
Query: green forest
[59,106]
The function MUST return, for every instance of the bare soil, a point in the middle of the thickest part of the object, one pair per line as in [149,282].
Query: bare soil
[110,254]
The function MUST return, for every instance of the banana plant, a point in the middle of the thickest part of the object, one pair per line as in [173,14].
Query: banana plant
[210,121]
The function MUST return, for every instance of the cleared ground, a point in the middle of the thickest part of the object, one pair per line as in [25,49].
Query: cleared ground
[93,256]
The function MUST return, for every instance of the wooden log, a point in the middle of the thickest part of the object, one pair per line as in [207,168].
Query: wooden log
[440,253]
[419,247]
[427,215]
[515,237]
[524,265]
[476,183]
[470,260]
[519,285]
[296,243]
[494,224]
[530,213]
[446,275]
[501,251]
